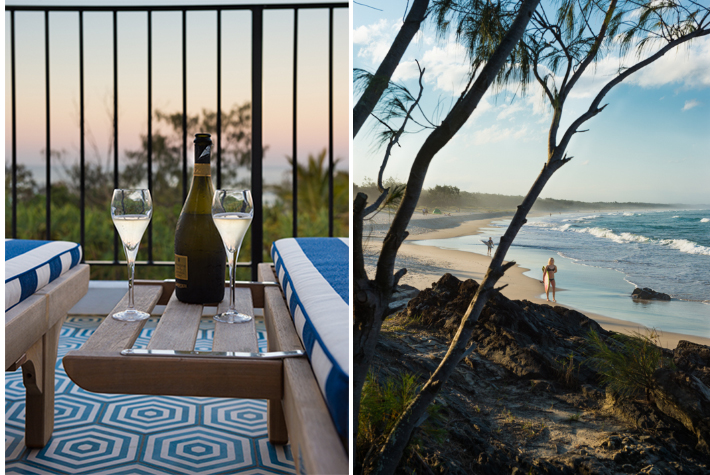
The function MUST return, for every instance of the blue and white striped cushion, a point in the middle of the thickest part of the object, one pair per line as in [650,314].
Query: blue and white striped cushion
[315,276]
[30,265]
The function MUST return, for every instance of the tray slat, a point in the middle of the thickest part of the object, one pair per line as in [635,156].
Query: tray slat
[112,336]
[236,336]
[177,327]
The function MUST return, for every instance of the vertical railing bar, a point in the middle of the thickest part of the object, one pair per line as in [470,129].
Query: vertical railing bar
[150,127]
[256,137]
[82,150]
[219,99]
[14,128]
[330,123]
[294,179]
[184,105]
[48,186]
[115,123]
[257,123]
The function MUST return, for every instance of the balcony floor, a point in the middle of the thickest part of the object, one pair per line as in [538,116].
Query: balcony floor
[134,434]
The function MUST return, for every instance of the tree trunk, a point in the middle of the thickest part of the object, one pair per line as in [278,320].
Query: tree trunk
[392,451]
[372,297]
[369,99]
[368,311]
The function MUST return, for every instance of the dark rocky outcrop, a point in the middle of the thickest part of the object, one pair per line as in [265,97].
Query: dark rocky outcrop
[648,294]
[532,341]
[540,342]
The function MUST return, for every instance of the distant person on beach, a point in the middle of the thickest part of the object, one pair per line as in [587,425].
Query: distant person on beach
[489,243]
[551,270]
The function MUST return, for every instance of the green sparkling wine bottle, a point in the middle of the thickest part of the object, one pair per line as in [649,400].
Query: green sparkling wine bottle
[199,252]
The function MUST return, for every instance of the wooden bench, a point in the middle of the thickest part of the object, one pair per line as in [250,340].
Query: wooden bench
[31,337]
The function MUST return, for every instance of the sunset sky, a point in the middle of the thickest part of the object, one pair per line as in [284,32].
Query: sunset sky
[167,77]
[651,143]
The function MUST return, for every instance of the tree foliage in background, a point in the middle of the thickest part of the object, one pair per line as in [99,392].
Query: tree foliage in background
[312,201]
[167,193]
[444,195]
[469,201]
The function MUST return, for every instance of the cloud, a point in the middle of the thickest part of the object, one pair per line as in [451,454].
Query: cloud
[494,134]
[510,111]
[375,39]
[687,65]
[584,163]
[690,104]
[446,67]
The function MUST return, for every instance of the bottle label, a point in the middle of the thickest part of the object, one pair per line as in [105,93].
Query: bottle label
[202,169]
[180,267]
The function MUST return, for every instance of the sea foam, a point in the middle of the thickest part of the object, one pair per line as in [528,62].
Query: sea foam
[609,234]
[705,220]
[682,245]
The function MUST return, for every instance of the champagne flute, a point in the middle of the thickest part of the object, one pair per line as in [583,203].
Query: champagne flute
[232,212]
[131,211]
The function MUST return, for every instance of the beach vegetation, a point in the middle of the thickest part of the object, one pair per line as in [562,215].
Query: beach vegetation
[381,406]
[566,371]
[627,363]
[574,417]
[516,43]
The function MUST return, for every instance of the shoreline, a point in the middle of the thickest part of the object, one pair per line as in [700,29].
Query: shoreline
[426,264]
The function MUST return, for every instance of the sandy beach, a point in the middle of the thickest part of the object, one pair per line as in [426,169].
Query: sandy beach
[426,264]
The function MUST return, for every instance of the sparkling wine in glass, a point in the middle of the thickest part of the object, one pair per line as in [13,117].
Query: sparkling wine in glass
[232,212]
[131,211]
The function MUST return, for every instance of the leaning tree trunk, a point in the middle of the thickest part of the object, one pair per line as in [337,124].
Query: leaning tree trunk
[372,296]
[394,446]
[369,99]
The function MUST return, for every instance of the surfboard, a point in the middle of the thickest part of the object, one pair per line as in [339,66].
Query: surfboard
[545,277]
[486,242]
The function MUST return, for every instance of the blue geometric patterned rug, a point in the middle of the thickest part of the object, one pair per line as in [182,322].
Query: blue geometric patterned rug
[138,435]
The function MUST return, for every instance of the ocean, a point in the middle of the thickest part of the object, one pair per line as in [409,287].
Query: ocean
[603,256]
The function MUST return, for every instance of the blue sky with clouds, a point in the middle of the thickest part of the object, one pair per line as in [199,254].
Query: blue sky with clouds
[651,144]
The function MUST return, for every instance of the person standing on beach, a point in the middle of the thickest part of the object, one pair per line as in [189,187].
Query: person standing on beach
[551,270]
[489,243]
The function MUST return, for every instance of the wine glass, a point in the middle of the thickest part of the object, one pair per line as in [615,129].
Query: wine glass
[232,212]
[131,211]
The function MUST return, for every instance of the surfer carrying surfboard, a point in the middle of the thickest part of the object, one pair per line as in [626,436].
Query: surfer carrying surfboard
[548,278]
[489,243]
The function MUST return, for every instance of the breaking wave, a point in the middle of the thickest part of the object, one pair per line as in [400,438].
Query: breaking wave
[682,245]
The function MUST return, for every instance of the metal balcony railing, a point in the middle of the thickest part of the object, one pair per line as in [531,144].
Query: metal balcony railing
[257,18]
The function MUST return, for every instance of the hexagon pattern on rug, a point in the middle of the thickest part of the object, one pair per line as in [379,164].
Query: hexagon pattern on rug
[121,434]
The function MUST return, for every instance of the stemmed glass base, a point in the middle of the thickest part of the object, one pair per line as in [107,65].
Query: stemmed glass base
[131,315]
[230,316]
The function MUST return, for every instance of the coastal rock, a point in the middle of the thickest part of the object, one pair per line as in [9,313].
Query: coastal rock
[685,398]
[532,341]
[648,294]
[540,342]
[400,298]
[693,359]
